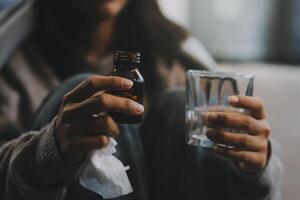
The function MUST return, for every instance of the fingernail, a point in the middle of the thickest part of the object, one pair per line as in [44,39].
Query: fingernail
[212,117]
[127,84]
[139,109]
[233,99]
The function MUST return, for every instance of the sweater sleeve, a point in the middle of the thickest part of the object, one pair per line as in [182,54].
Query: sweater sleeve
[264,185]
[31,168]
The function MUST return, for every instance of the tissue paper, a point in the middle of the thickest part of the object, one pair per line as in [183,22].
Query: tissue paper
[105,174]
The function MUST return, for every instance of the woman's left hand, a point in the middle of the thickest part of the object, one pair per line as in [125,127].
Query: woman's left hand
[251,147]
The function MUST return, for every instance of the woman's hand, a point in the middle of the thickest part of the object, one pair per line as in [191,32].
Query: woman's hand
[250,145]
[77,129]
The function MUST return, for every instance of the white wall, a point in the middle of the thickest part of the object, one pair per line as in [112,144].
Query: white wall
[177,10]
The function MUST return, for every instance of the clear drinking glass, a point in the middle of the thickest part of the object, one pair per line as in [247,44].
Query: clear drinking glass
[208,92]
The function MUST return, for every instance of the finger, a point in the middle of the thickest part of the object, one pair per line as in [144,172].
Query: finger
[237,140]
[234,121]
[253,104]
[253,158]
[95,84]
[102,103]
[88,144]
[93,127]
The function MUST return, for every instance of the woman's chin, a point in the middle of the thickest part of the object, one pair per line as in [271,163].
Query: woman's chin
[107,13]
[110,9]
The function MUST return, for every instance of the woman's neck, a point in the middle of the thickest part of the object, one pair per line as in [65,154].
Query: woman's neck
[101,39]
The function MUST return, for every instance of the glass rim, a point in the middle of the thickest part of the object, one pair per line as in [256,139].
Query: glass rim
[221,74]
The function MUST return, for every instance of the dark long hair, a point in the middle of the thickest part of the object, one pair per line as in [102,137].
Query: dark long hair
[141,26]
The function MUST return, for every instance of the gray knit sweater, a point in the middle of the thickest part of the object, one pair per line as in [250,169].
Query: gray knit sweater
[32,169]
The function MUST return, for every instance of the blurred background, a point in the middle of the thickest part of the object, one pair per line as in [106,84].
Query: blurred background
[240,30]
[260,37]
[257,36]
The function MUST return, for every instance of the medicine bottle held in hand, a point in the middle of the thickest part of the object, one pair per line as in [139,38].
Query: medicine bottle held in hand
[126,65]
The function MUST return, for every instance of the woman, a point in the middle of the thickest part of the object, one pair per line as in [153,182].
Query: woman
[79,33]
[80,36]
[76,38]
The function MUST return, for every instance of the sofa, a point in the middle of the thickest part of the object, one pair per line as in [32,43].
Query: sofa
[279,87]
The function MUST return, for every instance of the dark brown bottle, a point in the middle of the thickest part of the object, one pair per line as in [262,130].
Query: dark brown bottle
[126,65]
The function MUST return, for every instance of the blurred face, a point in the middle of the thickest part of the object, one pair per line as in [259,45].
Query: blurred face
[98,9]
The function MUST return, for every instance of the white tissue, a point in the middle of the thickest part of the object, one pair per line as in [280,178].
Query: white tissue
[105,174]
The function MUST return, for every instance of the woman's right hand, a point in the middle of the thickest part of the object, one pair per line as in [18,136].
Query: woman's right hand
[77,129]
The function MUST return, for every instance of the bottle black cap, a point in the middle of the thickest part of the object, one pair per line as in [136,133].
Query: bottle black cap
[125,60]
